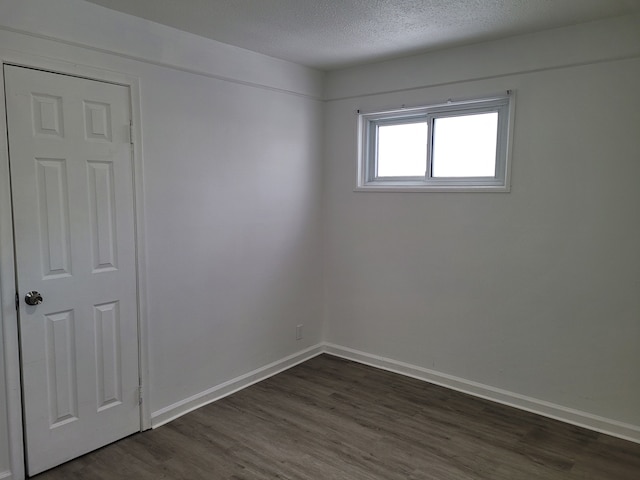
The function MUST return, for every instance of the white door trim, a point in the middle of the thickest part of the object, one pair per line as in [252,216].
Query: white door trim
[8,314]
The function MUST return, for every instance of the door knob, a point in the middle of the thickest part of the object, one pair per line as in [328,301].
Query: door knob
[33,298]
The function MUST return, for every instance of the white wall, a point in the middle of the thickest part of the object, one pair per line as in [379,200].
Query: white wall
[535,292]
[232,194]
[233,230]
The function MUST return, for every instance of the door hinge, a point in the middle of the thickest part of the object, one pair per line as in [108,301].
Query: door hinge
[131,132]
[140,395]
[17,301]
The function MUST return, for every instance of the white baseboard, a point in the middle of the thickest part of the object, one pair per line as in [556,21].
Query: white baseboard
[6,475]
[547,409]
[522,402]
[210,395]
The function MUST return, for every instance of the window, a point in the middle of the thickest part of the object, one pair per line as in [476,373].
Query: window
[453,146]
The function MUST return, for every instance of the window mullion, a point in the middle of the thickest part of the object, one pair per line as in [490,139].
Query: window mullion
[428,172]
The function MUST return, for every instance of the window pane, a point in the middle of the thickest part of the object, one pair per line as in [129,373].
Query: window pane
[402,150]
[465,146]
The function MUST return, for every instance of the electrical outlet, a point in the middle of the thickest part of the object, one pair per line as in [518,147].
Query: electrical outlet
[298,332]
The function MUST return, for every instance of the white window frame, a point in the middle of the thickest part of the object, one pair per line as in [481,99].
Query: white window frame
[368,124]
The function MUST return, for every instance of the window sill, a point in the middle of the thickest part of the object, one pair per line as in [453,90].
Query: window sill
[421,188]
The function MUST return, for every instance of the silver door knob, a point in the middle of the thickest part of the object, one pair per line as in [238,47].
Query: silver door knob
[33,298]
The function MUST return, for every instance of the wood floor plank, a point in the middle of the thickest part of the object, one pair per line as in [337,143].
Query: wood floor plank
[329,418]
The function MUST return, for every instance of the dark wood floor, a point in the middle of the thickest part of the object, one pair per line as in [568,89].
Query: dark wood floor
[333,419]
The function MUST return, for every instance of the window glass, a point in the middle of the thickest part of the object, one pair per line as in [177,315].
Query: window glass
[465,146]
[402,150]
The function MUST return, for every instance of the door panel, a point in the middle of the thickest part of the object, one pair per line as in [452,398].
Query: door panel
[72,188]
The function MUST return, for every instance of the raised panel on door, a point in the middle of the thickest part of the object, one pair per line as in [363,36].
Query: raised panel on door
[108,355]
[60,349]
[53,216]
[72,188]
[102,211]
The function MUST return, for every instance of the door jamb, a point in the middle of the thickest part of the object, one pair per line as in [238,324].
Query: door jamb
[8,314]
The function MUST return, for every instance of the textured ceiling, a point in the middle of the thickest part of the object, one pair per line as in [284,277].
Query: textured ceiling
[330,34]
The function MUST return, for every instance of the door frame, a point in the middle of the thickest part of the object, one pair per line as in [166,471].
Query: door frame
[8,287]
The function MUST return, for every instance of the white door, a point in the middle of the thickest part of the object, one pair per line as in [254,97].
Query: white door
[72,188]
